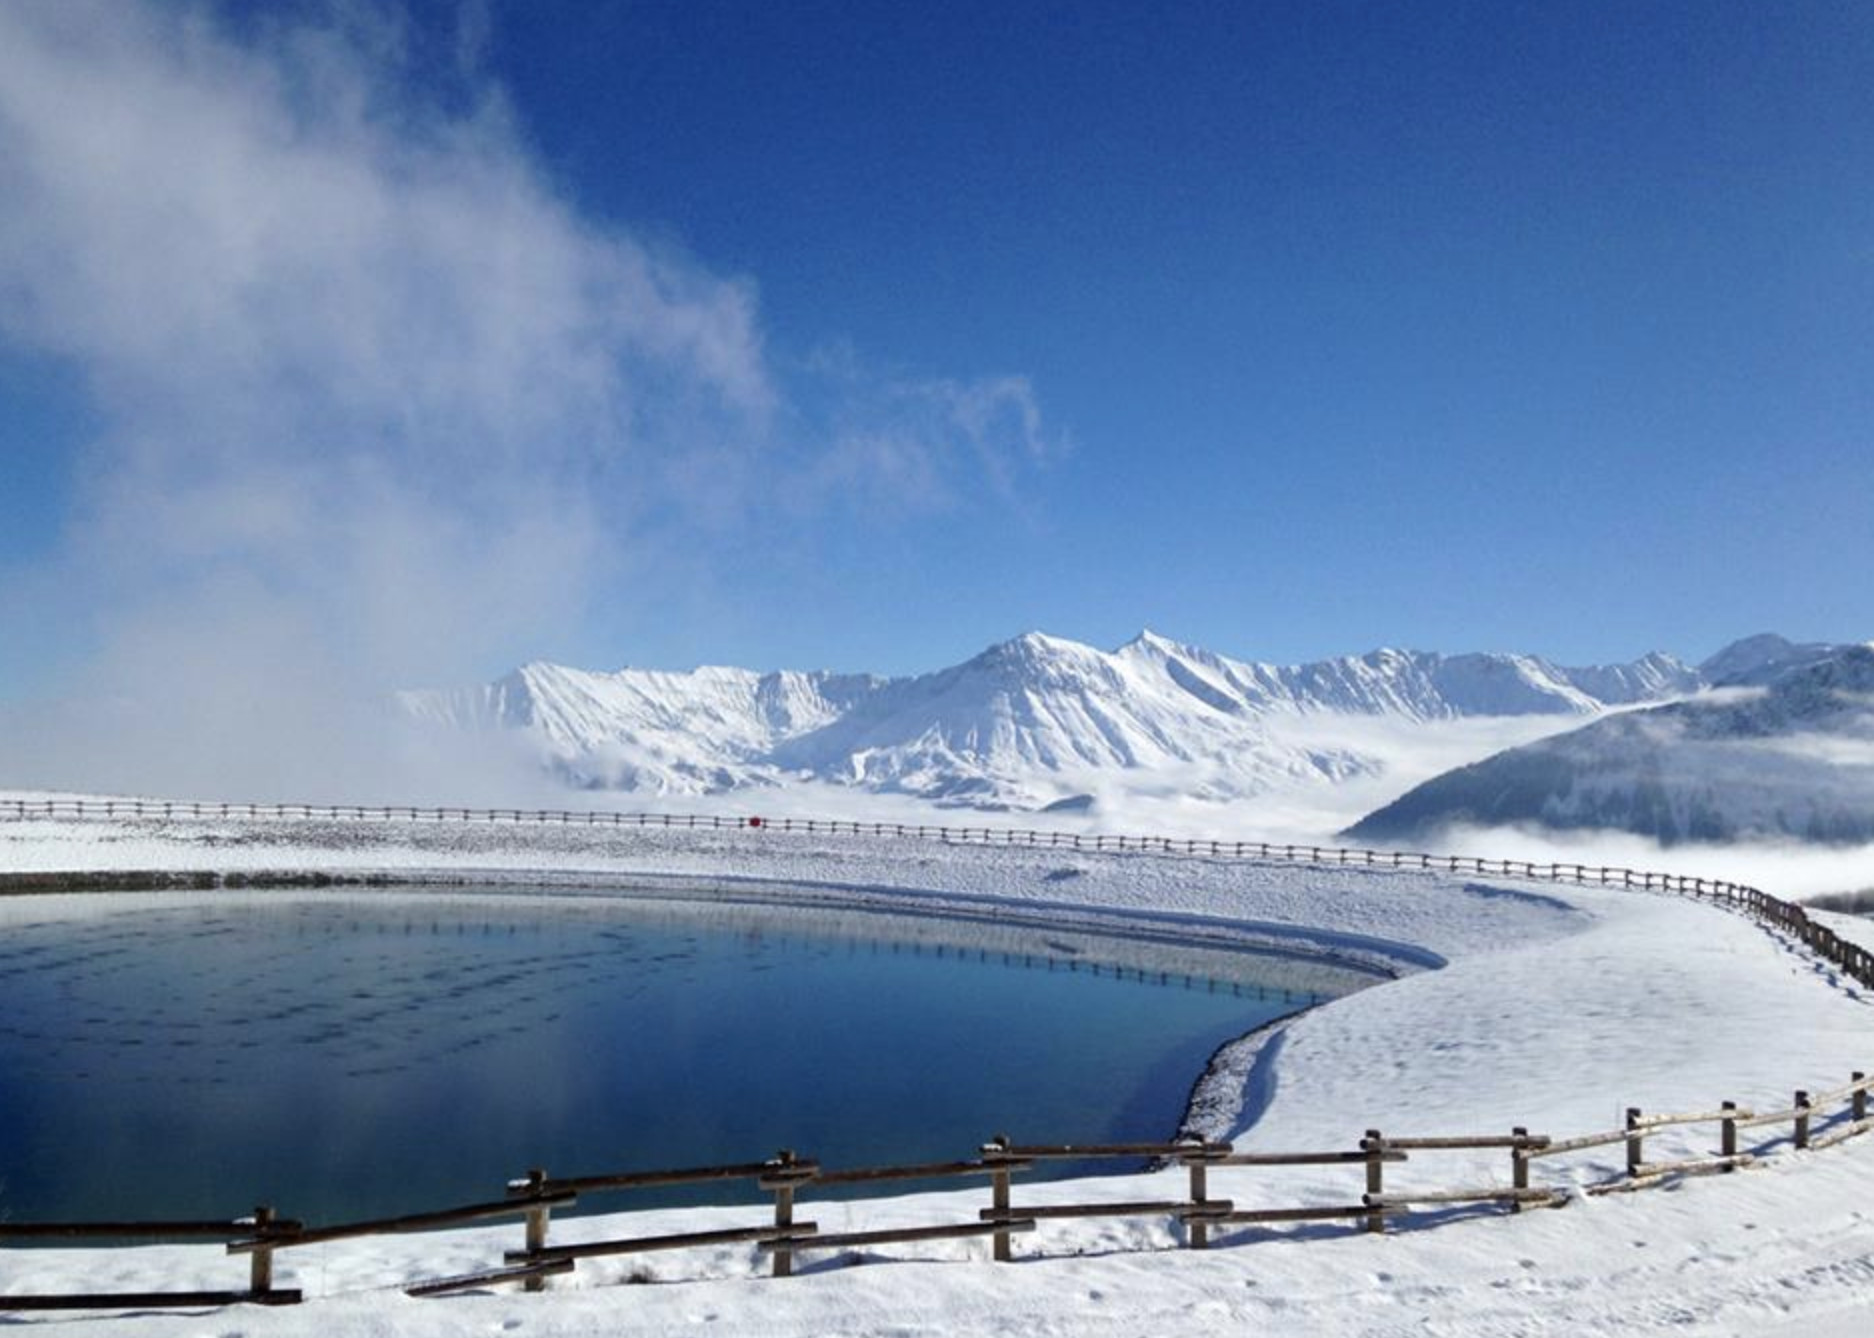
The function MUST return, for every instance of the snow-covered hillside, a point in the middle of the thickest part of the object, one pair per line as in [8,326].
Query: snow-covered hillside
[1031,722]
[1793,759]
[705,731]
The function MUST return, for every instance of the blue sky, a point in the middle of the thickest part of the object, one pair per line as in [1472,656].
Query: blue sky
[859,337]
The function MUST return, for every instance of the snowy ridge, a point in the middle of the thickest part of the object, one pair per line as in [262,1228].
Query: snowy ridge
[1001,725]
[1795,759]
[1759,660]
[1422,685]
[1026,723]
[703,731]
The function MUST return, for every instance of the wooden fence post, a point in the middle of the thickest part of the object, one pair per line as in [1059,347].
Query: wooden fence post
[1197,1232]
[260,1267]
[1727,1145]
[995,1150]
[783,1187]
[1375,1148]
[1860,1098]
[535,1224]
[1636,1151]
[1198,1159]
[1519,1164]
[1802,1119]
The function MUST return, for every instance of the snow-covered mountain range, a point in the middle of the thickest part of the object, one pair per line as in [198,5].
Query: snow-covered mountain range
[1040,721]
[1783,748]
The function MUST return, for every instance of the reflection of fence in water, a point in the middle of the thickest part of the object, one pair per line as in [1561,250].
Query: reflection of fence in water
[1073,963]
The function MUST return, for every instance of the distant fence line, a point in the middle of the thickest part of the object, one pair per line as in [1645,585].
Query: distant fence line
[1852,958]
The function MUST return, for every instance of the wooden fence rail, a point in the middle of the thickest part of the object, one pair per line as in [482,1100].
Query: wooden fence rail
[263,1230]
[1843,1110]
[395,1226]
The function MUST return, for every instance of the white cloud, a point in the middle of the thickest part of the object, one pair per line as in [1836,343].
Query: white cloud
[898,442]
[345,342]
[357,362]
[381,405]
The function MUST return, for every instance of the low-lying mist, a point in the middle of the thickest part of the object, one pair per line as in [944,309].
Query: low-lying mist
[1787,869]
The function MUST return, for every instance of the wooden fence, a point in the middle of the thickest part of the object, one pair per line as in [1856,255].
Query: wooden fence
[1198,1213]
[1852,958]
[263,1229]
[1815,1120]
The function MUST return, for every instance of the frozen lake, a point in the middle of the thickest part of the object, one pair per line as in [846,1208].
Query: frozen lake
[343,1054]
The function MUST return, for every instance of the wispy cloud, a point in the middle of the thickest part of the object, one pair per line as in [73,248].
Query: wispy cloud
[897,442]
[380,402]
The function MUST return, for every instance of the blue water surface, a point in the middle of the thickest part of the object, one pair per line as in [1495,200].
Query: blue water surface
[347,1056]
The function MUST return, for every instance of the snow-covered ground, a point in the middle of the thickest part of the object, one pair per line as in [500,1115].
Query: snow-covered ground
[1556,1009]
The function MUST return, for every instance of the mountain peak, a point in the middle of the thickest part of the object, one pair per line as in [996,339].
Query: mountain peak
[1022,720]
[1756,660]
[1149,640]
[1035,646]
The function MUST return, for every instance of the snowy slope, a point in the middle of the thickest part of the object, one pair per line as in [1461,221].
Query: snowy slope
[1026,723]
[1795,759]
[1038,712]
[704,731]
[1421,685]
